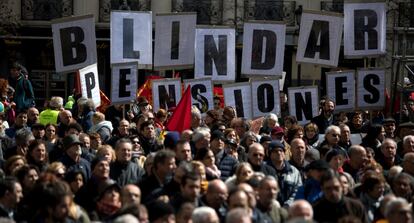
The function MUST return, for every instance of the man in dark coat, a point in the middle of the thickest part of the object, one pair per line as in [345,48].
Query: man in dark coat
[326,118]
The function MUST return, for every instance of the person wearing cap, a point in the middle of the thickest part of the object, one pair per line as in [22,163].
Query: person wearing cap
[326,118]
[278,133]
[289,178]
[311,188]
[256,157]
[334,205]
[72,158]
[224,152]
[389,127]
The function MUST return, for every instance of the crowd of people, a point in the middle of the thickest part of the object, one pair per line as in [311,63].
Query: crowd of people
[68,162]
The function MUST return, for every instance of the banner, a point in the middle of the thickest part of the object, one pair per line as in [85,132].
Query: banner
[303,103]
[131,37]
[371,88]
[201,93]
[124,83]
[166,93]
[215,53]
[365,29]
[263,48]
[320,38]
[341,88]
[265,95]
[239,96]
[74,43]
[90,83]
[174,40]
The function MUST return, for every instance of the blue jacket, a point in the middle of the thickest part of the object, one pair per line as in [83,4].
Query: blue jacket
[310,191]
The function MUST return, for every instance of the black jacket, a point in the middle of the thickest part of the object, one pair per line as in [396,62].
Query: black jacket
[126,173]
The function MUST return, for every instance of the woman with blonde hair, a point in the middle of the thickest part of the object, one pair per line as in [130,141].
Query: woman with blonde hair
[244,171]
[107,152]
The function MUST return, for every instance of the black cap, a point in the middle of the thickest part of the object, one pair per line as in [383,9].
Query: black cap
[389,120]
[70,140]
[231,142]
[265,138]
[276,144]
[217,134]
[317,165]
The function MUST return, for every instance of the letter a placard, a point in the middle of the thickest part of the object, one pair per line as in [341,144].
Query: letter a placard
[365,29]
[90,83]
[74,43]
[131,37]
[320,38]
[124,83]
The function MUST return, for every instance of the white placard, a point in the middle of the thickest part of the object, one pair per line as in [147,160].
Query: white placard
[340,87]
[201,93]
[89,81]
[174,40]
[166,93]
[131,37]
[263,49]
[365,29]
[124,83]
[239,97]
[266,97]
[215,53]
[371,88]
[74,43]
[303,103]
[320,38]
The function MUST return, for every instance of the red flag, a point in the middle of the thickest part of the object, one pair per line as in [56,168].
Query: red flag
[105,102]
[181,118]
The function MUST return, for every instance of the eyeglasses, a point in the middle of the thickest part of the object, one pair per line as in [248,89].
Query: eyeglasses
[135,142]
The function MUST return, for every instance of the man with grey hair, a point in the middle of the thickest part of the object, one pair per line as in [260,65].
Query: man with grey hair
[267,193]
[408,163]
[23,138]
[388,156]
[398,211]
[408,144]
[301,209]
[204,215]
[195,118]
[201,139]
[238,215]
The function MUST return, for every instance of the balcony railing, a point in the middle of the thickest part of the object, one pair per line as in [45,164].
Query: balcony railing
[209,12]
[405,14]
[275,10]
[46,9]
[332,6]
[105,7]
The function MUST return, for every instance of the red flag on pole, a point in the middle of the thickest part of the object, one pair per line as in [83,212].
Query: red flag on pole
[181,118]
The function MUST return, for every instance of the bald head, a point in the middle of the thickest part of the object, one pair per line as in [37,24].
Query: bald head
[301,209]
[256,154]
[130,193]
[216,193]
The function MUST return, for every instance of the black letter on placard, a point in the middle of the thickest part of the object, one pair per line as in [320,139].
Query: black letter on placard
[167,99]
[340,90]
[123,83]
[320,30]
[73,50]
[265,91]
[128,38]
[305,106]
[360,28]
[175,40]
[218,55]
[238,97]
[90,83]
[257,50]
[196,91]
[369,81]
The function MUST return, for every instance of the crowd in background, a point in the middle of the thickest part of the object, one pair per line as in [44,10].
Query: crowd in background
[68,162]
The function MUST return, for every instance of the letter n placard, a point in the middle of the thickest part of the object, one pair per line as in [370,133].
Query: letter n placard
[303,103]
